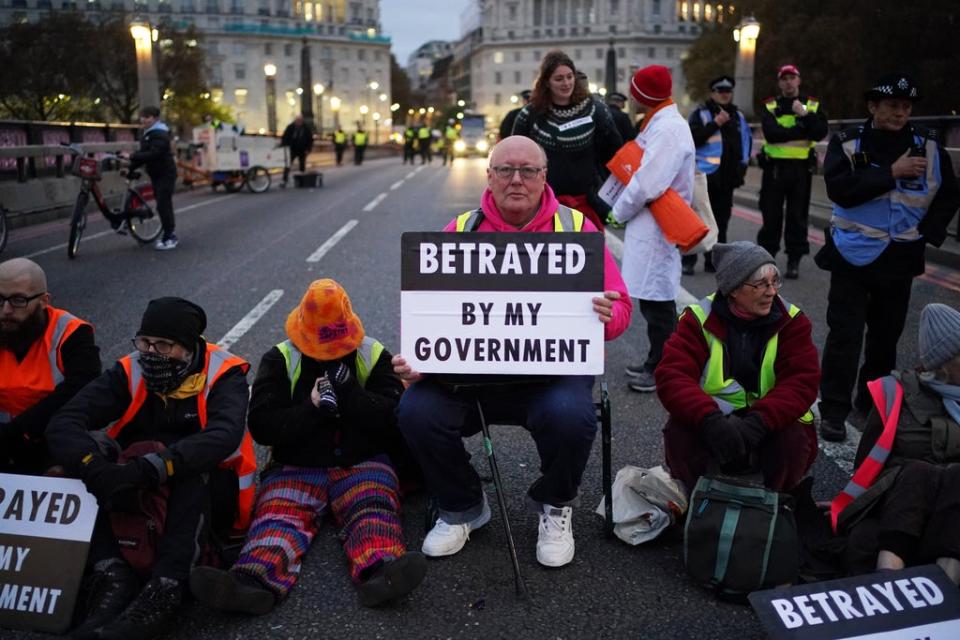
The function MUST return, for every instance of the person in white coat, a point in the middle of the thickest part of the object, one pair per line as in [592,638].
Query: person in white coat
[651,264]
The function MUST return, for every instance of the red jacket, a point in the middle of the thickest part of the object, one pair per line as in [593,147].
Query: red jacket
[685,354]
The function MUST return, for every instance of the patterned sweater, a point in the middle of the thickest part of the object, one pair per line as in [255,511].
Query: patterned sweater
[579,141]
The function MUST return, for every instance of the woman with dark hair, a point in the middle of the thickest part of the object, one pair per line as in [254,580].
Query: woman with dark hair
[575,130]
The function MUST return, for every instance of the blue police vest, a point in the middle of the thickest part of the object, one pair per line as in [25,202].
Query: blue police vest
[709,153]
[863,232]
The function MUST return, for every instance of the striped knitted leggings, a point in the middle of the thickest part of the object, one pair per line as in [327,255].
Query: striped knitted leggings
[365,504]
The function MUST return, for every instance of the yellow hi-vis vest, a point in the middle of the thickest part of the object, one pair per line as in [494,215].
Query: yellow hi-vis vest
[360,138]
[368,353]
[727,392]
[339,137]
[792,149]
[564,218]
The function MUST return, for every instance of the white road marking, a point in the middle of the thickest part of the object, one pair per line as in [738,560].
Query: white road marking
[373,203]
[110,232]
[615,244]
[411,174]
[250,319]
[396,185]
[331,241]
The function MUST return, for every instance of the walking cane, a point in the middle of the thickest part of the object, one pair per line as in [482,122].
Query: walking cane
[502,501]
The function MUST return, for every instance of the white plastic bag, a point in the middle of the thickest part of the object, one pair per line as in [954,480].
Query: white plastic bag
[645,503]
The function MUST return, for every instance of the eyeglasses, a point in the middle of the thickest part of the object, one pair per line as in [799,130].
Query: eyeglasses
[505,172]
[19,302]
[776,284]
[724,90]
[163,347]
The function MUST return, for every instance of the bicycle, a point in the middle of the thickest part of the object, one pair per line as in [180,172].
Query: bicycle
[135,214]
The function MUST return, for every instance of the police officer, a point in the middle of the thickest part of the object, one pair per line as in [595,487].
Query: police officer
[506,127]
[339,143]
[894,191]
[722,137]
[359,144]
[792,125]
[617,101]
[450,136]
[424,138]
[409,137]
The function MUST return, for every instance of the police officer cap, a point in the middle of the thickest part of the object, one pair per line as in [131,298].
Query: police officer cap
[525,94]
[616,95]
[894,85]
[723,82]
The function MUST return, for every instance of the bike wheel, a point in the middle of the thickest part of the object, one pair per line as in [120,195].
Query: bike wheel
[258,180]
[144,224]
[233,183]
[3,229]
[78,222]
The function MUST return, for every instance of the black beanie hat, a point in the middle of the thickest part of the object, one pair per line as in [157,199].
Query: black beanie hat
[175,319]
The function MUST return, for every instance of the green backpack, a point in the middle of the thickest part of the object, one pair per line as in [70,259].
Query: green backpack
[740,537]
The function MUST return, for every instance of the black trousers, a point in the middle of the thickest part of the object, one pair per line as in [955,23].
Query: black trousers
[721,202]
[661,319]
[358,151]
[426,154]
[408,153]
[785,181]
[186,529]
[921,513]
[857,300]
[339,149]
[163,191]
[301,157]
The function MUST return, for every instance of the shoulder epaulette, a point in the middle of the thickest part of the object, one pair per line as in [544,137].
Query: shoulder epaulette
[926,132]
[770,99]
[850,134]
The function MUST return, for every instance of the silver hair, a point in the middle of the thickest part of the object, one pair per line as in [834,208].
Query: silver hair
[762,272]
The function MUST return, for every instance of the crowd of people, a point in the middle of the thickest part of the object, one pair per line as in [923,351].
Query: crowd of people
[349,424]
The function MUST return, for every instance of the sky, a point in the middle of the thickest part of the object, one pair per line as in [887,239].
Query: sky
[410,23]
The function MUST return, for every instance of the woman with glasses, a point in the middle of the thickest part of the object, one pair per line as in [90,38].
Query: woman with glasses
[575,130]
[738,377]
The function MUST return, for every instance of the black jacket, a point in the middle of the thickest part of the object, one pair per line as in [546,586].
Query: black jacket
[155,154]
[812,126]
[506,126]
[173,422]
[299,139]
[303,435]
[732,169]
[622,122]
[850,186]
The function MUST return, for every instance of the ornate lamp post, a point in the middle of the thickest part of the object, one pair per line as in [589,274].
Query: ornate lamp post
[318,92]
[745,34]
[270,73]
[148,84]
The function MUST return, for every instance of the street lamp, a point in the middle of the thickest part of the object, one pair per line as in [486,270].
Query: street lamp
[335,107]
[376,127]
[745,35]
[148,84]
[270,73]
[318,92]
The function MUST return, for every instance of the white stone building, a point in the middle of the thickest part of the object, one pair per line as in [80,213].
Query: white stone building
[349,54]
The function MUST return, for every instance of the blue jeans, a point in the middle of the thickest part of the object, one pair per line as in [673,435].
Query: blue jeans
[558,413]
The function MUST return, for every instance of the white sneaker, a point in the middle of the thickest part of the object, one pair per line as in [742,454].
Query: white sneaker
[167,243]
[555,540]
[447,539]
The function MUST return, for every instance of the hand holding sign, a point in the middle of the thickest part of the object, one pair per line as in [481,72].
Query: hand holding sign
[604,306]
[403,370]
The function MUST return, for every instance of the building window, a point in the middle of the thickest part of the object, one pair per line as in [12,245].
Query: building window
[216,75]
[213,23]
[498,57]
[240,71]
[241,96]
[599,54]
[361,54]
[268,49]
[163,6]
[213,46]
[497,77]
[622,52]
[517,77]
[516,56]
[512,12]
[290,73]
[537,12]
[236,6]
[536,55]
[496,99]
[378,56]
[239,49]
[669,52]
[213,6]
[288,50]
[264,8]
[187,6]
[576,54]
[656,7]
[656,28]
[614,7]
[651,52]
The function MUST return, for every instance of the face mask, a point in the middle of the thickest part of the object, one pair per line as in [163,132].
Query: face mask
[162,374]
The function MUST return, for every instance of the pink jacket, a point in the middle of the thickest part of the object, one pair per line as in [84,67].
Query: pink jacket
[543,222]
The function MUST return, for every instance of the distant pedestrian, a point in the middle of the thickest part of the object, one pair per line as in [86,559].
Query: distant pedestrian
[617,102]
[575,130]
[359,144]
[339,143]
[156,154]
[893,192]
[298,137]
[792,124]
[423,143]
[506,126]
[409,140]
[722,137]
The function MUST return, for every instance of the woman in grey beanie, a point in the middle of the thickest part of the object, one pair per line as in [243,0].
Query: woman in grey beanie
[909,513]
[739,375]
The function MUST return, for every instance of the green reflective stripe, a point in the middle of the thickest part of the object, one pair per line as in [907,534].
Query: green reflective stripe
[731,518]
[367,356]
[769,543]
[467,219]
[58,331]
[292,357]
[564,218]
[792,149]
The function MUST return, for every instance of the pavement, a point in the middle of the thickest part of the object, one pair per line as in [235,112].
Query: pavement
[247,258]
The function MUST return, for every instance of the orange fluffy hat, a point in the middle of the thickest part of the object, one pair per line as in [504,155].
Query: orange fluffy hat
[323,326]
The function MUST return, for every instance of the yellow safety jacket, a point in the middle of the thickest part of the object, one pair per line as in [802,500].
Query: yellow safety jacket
[792,149]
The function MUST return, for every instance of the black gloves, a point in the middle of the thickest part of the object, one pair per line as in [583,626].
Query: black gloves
[723,439]
[105,479]
[751,429]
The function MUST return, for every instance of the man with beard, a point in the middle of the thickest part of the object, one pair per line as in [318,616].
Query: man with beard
[177,407]
[46,356]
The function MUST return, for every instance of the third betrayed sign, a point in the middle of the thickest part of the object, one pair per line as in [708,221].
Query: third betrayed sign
[502,303]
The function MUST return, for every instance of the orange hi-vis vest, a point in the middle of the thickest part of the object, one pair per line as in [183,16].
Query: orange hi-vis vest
[243,461]
[23,384]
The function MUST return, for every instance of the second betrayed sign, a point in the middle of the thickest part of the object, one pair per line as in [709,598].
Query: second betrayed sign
[502,303]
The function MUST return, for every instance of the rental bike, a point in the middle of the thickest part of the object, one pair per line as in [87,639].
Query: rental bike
[137,213]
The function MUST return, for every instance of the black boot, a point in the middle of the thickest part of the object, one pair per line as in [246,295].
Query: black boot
[394,578]
[793,268]
[230,591]
[708,263]
[150,614]
[833,430]
[111,586]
